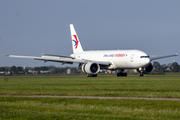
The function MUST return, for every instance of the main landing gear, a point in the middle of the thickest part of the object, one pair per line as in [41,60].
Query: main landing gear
[91,75]
[121,73]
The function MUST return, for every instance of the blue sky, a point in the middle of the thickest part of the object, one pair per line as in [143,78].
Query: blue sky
[42,26]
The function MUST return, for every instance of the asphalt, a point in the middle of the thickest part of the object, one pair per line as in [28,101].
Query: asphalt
[6,77]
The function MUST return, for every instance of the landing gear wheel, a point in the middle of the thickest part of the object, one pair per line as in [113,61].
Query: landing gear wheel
[91,75]
[141,74]
[121,74]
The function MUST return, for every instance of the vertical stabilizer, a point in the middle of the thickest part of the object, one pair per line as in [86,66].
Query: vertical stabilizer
[76,45]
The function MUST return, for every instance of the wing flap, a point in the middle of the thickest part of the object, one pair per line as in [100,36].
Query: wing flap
[57,55]
[61,60]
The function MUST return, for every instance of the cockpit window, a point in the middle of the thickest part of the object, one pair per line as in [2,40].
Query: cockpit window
[144,57]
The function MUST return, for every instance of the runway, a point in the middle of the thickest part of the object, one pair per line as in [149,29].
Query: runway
[91,97]
[6,77]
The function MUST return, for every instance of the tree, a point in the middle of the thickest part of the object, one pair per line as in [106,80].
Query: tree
[174,67]
[157,67]
[13,69]
[16,70]
[2,69]
[165,68]
[36,68]
[44,68]
[19,69]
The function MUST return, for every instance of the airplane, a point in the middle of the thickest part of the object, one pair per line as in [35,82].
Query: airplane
[91,62]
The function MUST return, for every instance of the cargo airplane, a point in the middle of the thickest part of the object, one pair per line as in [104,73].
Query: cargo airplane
[91,62]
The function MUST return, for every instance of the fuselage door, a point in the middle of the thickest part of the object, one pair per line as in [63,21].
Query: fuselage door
[132,58]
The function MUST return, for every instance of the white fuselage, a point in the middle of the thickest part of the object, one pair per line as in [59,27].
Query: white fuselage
[119,59]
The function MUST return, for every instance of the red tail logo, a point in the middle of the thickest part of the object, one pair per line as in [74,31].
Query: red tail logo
[76,41]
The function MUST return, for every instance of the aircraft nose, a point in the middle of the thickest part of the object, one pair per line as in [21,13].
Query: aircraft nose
[145,61]
[148,60]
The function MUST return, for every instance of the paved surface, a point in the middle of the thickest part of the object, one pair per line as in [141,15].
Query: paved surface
[76,77]
[91,97]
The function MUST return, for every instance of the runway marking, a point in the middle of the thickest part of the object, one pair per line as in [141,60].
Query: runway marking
[91,97]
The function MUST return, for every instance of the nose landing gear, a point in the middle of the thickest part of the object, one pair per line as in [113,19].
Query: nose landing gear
[141,73]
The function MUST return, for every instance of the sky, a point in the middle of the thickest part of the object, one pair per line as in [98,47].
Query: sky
[33,27]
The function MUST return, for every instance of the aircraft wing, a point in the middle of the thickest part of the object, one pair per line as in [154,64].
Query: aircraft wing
[160,57]
[63,60]
[57,55]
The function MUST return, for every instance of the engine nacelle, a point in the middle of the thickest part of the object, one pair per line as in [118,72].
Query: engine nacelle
[90,68]
[148,69]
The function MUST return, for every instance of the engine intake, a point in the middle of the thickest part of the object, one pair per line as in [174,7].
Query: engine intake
[146,70]
[90,68]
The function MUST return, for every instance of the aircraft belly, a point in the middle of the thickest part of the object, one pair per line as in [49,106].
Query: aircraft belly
[120,63]
[125,63]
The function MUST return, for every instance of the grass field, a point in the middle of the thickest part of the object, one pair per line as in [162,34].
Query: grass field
[81,109]
[166,87]
[85,109]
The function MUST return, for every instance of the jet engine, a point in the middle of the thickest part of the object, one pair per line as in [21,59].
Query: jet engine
[90,68]
[146,70]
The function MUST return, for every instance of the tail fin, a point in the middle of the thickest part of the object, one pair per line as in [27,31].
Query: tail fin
[76,45]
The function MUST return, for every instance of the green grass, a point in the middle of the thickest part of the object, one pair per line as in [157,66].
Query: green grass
[85,109]
[16,108]
[166,87]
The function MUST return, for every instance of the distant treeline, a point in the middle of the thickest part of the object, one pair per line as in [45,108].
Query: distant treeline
[171,67]
[38,70]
